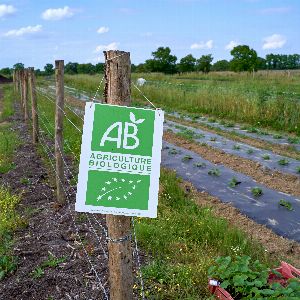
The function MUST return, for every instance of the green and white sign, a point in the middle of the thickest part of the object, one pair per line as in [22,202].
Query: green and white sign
[120,160]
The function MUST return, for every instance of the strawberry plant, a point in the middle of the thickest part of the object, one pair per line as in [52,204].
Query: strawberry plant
[214,172]
[246,279]
[186,158]
[298,169]
[283,162]
[234,182]
[256,191]
[250,151]
[266,156]
[236,147]
[288,205]
[200,165]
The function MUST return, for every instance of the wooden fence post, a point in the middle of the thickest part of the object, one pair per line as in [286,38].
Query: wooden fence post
[21,89]
[59,117]
[35,126]
[25,94]
[117,91]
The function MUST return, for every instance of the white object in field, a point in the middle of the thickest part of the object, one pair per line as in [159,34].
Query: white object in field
[141,81]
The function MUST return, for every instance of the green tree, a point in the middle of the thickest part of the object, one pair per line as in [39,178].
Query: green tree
[221,65]
[204,63]
[99,68]
[187,64]
[71,68]
[18,66]
[162,61]
[48,69]
[86,69]
[244,59]
[6,72]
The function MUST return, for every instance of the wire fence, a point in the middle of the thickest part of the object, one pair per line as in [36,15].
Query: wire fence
[97,227]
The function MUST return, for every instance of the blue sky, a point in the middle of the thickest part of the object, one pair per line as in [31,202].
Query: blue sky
[38,32]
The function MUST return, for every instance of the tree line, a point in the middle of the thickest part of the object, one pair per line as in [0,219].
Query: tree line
[243,59]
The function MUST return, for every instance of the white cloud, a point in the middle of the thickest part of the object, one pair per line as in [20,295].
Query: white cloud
[275,10]
[23,31]
[274,41]
[6,10]
[111,46]
[56,14]
[203,45]
[231,45]
[103,29]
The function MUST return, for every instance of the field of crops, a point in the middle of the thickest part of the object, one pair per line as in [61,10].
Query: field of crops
[229,186]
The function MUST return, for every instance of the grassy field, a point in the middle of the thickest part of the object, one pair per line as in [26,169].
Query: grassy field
[267,99]
[183,241]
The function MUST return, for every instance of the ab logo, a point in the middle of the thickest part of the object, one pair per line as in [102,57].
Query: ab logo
[126,136]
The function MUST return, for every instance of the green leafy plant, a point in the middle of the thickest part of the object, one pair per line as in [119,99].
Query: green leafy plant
[283,162]
[53,261]
[236,147]
[277,136]
[38,272]
[212,120]
[288,205]
[173,151]
[229,124]
[25,181]
[233,182]
[293,140]
[252,130]
[256,191]
[298,169]
[266,156]
[247,279]
[213,138]
[186,158]
[214,172]
[200,165]
[250,151]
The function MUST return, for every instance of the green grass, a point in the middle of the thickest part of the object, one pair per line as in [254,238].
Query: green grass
[9,221]
[184,241]
[7,103]
[258,101]
[9,142]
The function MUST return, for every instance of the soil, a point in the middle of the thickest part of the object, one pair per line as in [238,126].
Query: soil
[278,247]
[50,231]
[282,182]
[275,148]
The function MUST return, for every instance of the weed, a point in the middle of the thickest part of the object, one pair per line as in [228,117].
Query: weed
[266,156]
[256,191]
[24,180]
[38,272]
[214,172]
[288,205]
[53,261]
[212,120]
[283,162]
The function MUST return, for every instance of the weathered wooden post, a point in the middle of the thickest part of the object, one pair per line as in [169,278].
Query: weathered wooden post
[25,94]
[59,117]
[21,73]
[35,126]
[117,91]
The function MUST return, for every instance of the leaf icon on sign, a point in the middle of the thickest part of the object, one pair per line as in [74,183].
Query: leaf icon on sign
[134,121]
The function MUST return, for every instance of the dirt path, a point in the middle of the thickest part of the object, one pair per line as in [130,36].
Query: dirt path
[285,183]
[50,232]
